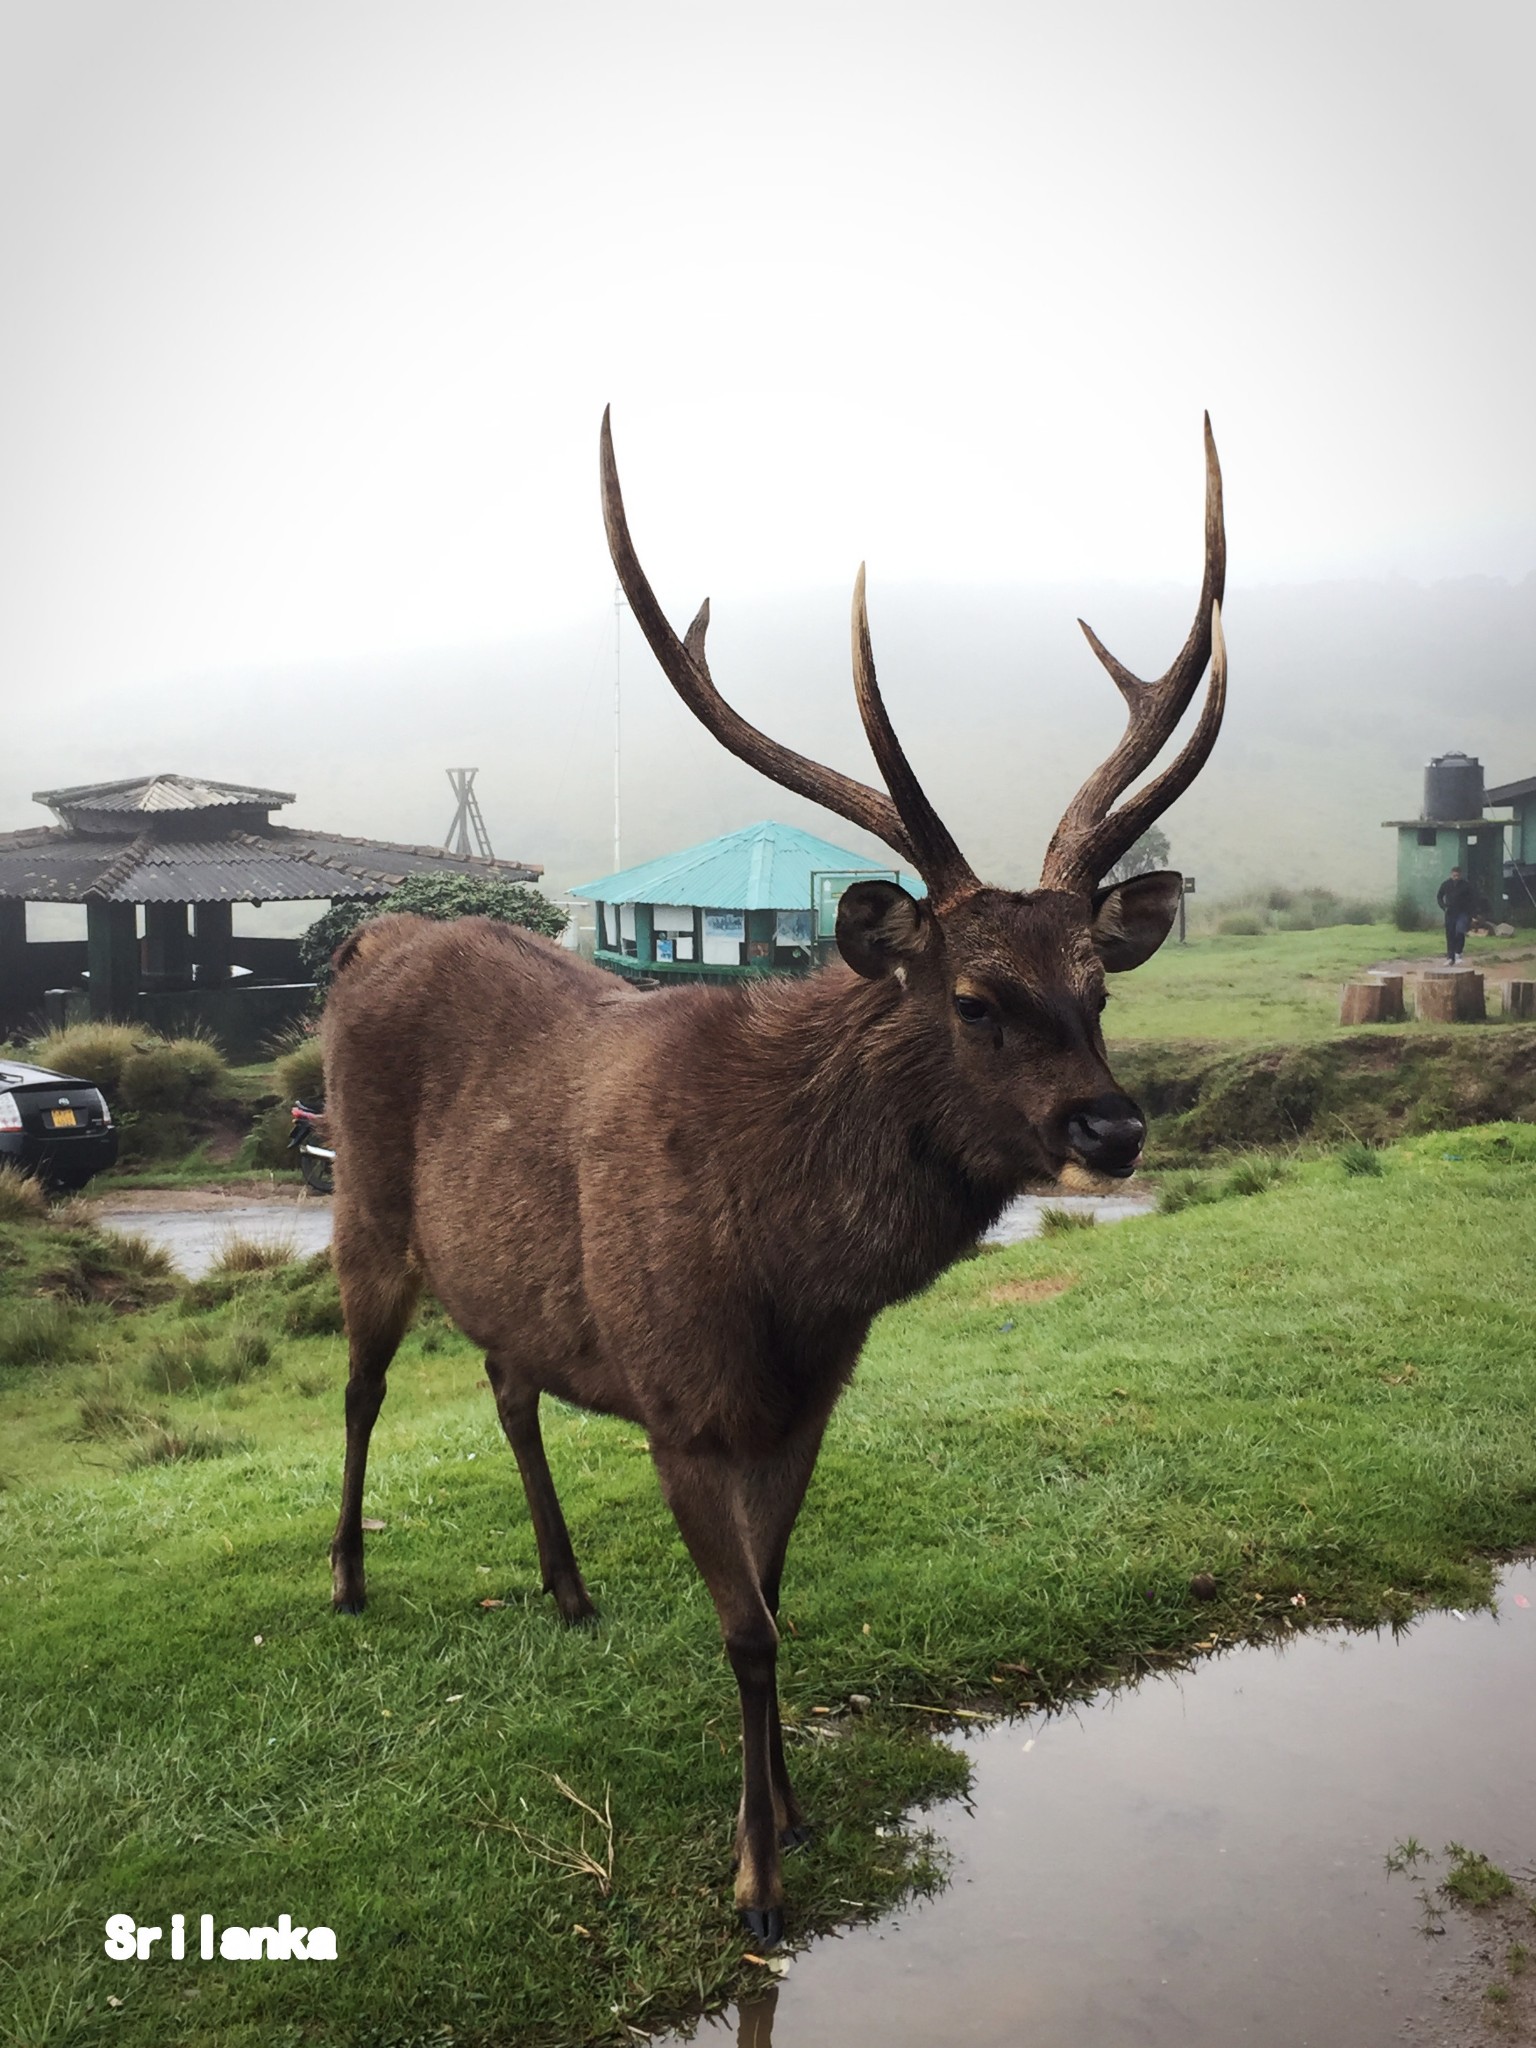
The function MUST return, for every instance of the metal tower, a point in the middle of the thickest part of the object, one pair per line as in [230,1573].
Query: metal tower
[466,818]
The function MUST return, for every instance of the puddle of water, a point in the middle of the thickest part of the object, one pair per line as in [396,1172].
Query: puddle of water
[1199,1862]
[195,1237]
[1021,1219]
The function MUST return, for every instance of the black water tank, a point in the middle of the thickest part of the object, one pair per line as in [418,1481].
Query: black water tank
[1453,787]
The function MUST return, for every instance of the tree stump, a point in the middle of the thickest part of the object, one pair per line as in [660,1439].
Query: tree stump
[1520,998]
[1454,998]
[1378,999]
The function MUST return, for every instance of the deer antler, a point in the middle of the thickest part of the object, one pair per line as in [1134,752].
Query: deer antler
[909,824]
[1091,837]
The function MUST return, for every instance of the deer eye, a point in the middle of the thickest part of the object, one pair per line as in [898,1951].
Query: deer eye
[972,1009]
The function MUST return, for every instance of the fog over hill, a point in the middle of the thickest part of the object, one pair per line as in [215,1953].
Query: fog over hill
[1340,692]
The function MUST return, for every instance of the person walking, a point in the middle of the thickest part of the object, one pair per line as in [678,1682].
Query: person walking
[1460,902]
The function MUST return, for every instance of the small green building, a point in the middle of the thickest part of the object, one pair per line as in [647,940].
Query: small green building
[759,901]
[1452,831]
[1520,864]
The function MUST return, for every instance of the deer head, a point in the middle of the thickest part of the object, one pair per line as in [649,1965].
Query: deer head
[1013,980]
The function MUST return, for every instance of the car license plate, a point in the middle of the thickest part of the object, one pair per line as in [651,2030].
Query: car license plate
[63,1119]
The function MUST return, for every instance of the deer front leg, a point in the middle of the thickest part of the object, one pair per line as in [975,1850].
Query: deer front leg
[704,1494]
[771,1496]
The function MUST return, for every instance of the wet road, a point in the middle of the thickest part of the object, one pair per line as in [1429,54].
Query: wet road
[1200,1862]
[193,1236]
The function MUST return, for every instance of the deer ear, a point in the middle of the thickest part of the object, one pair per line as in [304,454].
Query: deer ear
[881,929]
[1132,919]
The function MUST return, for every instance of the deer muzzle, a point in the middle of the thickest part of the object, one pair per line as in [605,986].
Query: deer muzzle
[1107,1134]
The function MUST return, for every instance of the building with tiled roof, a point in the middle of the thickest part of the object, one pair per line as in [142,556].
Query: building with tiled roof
[175,853]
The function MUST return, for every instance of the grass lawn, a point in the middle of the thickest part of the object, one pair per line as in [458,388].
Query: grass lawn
[1272,987]
[1320,1389]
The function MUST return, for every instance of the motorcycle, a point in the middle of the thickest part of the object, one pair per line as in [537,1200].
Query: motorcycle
[317,1162]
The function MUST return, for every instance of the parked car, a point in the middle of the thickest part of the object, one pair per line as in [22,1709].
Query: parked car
[53,1125]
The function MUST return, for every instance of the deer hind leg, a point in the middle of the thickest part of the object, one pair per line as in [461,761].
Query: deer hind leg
[709,1498]
[378,1292]
[518,1406]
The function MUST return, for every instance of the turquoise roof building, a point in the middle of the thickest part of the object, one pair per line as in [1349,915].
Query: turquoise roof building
[759,901]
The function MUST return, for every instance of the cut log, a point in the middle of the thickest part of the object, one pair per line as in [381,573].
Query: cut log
[1455,998]
[1365,1002]
[1520,998]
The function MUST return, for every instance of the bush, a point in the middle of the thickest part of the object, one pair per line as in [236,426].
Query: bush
[1406,914]
[300,1071]
[438,896]
[95,1052]
[1240,924]
[136,1068]
[1296,921]
[1359,913]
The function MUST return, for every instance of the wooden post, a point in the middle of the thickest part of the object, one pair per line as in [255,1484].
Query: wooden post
[112,953]
[167,943]
[213,937]
[1520,998]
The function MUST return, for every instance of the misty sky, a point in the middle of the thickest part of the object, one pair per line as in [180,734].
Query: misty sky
[311,311]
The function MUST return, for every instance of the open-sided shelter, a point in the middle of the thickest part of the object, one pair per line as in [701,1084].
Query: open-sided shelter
[159,862]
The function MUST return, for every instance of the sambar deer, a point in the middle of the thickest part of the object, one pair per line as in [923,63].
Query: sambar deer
[686,1208]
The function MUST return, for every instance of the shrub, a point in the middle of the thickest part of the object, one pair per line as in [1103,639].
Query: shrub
[183,1074]
[1279,899]
[1296,921]
[1406,914]
[439,896]
[96,1052]
[1240,924]
[1358,913]
[300,1071]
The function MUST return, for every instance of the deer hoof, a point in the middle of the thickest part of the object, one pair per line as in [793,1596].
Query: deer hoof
[797,1836]
[765,1924]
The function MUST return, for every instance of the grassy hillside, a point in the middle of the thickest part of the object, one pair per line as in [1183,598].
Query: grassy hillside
[1318,1393]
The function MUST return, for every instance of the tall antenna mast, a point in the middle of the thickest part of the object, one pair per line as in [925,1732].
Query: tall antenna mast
[618,642]
[466,817]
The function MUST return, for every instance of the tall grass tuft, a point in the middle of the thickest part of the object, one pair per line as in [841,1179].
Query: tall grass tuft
[1357,1158]
[1055,1222]
[41,1332]
[22,1199]
[242,1254]
[161,1445]
[1254,1176]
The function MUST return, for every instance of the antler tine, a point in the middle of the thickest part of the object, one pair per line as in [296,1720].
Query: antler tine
[1091,837]
[683,664]
[939,860]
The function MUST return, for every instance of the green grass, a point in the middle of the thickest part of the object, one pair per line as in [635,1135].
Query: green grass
[1311,1388]
[1277,985]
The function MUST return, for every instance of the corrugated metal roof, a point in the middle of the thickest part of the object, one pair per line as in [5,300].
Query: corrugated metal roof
[282,865]
[766,866]
[158,793]
[1510,792]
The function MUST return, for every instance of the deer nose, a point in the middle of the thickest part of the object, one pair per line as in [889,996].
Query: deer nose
[1108,1134]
